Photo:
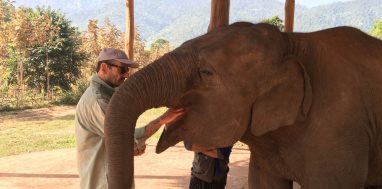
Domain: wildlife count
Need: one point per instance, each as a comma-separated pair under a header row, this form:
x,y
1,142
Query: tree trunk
x,y
47,75
21,80
219,14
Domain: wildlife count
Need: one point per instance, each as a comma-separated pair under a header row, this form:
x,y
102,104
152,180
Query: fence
x,y
19,98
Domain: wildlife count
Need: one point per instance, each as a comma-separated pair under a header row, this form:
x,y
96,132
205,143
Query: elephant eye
x,y
206,72
207,77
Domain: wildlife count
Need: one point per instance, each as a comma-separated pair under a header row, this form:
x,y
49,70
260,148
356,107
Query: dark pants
x,y
196,183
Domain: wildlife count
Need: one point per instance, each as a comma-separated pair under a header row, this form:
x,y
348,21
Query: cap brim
x,y
129,63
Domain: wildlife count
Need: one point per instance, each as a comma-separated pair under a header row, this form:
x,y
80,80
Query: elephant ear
x,y
287,101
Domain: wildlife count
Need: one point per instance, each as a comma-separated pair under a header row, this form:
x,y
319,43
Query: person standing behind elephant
x,y
209,167
112,69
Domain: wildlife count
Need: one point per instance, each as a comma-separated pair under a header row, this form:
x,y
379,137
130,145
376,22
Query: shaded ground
x,y
57,169
41,113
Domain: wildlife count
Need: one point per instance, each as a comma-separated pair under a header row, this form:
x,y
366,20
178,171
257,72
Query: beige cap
x,y
115,54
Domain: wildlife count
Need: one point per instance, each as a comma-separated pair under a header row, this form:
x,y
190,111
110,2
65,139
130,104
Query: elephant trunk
x,y
158,84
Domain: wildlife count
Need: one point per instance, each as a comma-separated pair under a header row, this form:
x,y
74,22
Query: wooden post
x,y
289,15
219,14
129,34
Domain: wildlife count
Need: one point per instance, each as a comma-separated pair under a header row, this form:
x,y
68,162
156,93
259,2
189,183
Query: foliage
x,y
108,35
56,58
96,38
377,29
40,55
159,48
6,9
20,40
276,21
42,50
141,56
72,96
9,67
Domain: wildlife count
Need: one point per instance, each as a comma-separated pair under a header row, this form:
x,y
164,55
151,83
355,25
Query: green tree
x,y
377,29
276,21
44,37
159,48
55,59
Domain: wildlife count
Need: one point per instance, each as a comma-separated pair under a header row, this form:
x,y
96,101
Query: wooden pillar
x,y
130,29
219,14
289,15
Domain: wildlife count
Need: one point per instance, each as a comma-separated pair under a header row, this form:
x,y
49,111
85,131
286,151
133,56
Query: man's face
x,y
117,73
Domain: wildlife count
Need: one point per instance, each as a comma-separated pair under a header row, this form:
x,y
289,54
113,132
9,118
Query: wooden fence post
x,y
219,14
289,15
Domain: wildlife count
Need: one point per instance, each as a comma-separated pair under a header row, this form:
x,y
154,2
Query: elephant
x,y
308,105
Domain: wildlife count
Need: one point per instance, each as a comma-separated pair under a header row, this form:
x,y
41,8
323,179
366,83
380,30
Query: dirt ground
x,y
57,169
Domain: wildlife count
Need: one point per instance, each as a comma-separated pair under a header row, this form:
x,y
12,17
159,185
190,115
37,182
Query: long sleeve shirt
x,y
89,127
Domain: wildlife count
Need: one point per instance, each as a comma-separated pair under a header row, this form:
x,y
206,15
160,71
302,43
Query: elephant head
x,y
218,78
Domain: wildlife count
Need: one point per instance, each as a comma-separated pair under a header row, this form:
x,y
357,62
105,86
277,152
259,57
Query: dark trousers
x,y
196,183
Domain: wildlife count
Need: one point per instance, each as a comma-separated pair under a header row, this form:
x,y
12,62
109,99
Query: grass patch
x,y
17,136
40,134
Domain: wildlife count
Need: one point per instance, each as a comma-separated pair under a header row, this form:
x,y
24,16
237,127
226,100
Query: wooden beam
x,y
219,14
130,29
289,15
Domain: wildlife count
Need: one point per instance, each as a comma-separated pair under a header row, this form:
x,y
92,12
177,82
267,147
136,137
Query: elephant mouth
x,y
170,136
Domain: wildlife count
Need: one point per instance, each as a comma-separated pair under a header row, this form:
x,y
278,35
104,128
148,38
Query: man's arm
x,y
168,117
209,152
142,134
206,151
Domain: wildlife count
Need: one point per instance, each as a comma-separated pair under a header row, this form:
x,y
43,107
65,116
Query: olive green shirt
x,y
89,128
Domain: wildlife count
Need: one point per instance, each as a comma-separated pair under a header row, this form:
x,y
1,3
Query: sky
x,y
312,3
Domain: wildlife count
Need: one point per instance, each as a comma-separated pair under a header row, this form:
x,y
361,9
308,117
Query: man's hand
x,y
140,151
212,153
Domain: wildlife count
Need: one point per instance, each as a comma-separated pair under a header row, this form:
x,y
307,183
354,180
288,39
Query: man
x,y
209,167
112,69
